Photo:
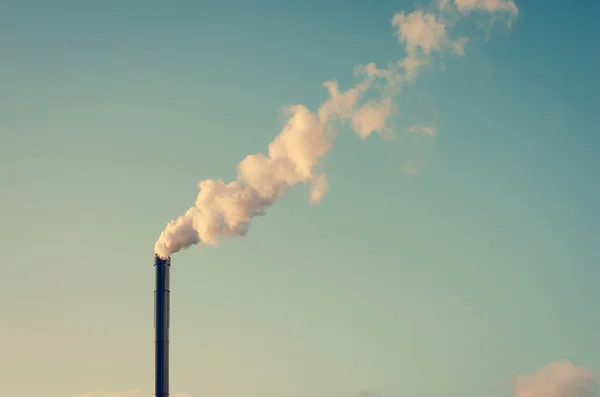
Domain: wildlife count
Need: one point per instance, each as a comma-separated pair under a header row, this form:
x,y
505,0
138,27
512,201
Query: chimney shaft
x,y
161,327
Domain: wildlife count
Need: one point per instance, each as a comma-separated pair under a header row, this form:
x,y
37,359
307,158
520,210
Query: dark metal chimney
x,y
161,327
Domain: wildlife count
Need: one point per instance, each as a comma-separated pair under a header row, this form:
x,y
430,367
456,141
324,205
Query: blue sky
x,y
479,267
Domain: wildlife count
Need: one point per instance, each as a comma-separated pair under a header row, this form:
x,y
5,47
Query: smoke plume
x,y
293,157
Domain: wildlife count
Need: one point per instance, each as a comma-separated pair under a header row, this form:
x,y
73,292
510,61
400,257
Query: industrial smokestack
x,y
161,327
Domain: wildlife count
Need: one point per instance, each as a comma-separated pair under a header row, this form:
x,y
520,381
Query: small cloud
x,y
419,30
489,6
423,34
371,71
340,104
458,46
495,9
412,64
556,379
372,117
422,130
318,190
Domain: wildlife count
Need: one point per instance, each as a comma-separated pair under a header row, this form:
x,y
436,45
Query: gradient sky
x,y
481,266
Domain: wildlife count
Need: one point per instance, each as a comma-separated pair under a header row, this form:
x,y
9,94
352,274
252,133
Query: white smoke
x,y
225,209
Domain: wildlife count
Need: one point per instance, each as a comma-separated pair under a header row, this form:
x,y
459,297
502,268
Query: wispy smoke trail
x,y
225,209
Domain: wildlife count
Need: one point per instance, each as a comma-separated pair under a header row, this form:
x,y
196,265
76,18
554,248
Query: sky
x,y
453,253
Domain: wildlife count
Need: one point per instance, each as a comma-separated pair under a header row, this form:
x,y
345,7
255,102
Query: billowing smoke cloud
x,y
556,379
293,157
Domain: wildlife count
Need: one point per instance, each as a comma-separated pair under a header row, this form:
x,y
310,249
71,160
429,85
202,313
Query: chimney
x,y
161,327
